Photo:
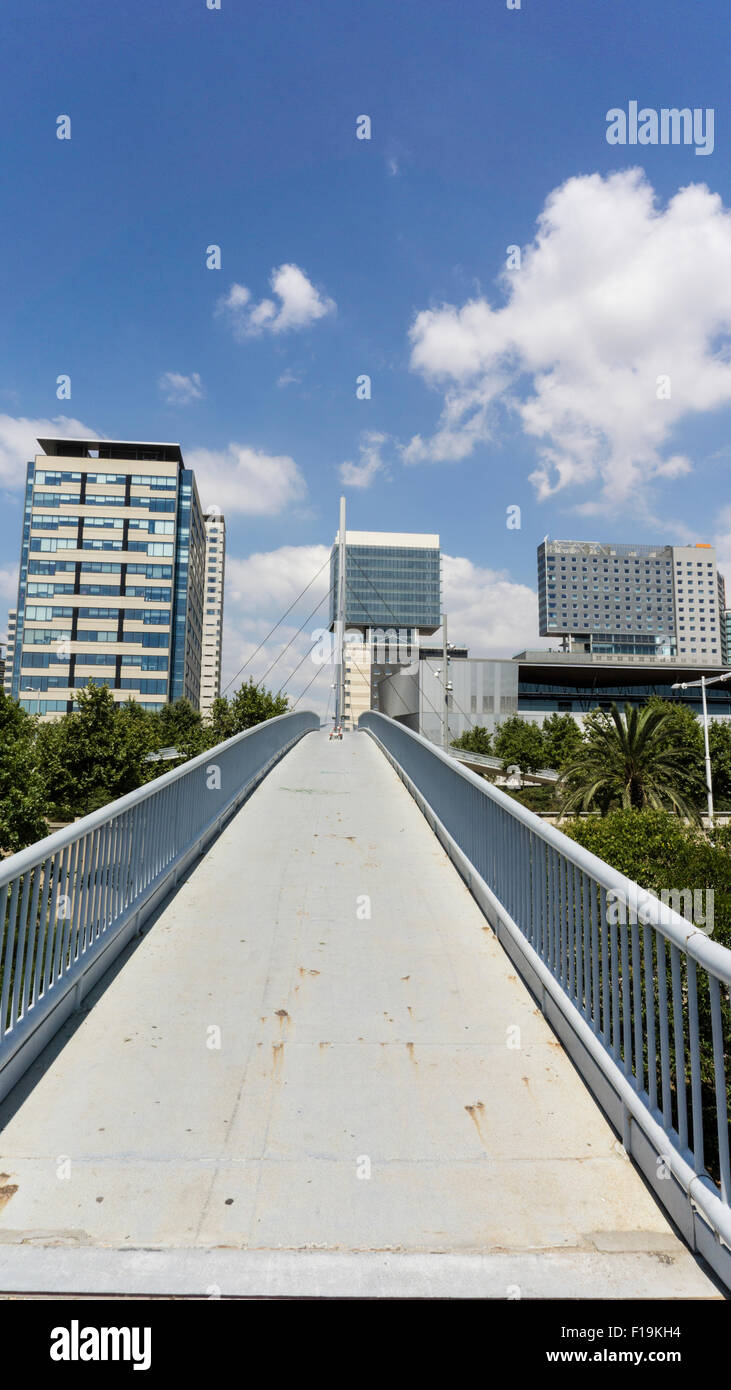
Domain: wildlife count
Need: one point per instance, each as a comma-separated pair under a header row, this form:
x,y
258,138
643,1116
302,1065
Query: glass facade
x,y
23,580
389,586
567,697
187,626
151,521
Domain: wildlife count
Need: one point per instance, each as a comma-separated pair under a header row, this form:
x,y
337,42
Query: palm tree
x,y
628,759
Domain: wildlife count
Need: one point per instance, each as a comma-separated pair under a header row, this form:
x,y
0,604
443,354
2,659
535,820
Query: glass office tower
x,y
392,594
392,579
111,575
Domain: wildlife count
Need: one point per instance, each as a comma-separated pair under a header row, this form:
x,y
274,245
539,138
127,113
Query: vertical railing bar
x,y
695,1065
553,900
679,1047
565,915
606,968
663,1018
614,988
43,927
49,966
3,942
84,891
106,880
596,1006
637,1005
20,948
719,1077
90,904
34,943
650,1009
570,927
110,909
61,927
535,879
117,861
78,886
626,1004
66,961
9,953
4,938
100,880
587,943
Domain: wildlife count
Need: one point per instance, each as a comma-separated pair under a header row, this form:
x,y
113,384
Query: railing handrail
x,y
71,902
499,764
58,839
710,954
623,992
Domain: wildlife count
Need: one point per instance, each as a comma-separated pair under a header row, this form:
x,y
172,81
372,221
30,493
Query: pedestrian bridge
x,y
324,1018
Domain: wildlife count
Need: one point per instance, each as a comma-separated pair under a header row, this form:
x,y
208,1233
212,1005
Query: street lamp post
x,y
703,682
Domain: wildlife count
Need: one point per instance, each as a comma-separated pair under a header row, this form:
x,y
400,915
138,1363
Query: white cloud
x,y
19,442
180,390
371,464
259,589
488,610
722,541
300,304
246,481
613,293
268,581
288,378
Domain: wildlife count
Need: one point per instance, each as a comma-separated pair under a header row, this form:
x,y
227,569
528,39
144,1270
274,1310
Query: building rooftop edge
x,y
417,539
94,442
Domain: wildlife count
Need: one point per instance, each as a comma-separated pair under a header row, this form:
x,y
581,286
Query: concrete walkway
x,y
300,1082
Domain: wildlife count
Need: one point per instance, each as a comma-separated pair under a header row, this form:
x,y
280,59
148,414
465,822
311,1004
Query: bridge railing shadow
x,y
640,997
70,903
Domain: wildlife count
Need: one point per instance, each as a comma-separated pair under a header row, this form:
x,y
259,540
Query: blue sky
x,y
490,388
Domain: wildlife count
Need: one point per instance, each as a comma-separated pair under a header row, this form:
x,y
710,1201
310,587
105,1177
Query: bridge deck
x,y
348,1044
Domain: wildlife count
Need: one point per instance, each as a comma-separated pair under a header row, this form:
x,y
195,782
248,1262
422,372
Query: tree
x,y
137,735
683,732
22,788
474,740
628,760
220,725
180,726
719,742
519,742
562,739
81,754
252,704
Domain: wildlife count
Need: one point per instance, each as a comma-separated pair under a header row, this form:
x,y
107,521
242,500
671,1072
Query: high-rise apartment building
x,y
215,568
392,593
9,649
660,601
111,576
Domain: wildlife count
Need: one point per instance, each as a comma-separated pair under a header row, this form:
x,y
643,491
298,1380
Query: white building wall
x,y
215,527
698,600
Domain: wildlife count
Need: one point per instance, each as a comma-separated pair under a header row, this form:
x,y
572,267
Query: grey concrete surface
x,y
363,1104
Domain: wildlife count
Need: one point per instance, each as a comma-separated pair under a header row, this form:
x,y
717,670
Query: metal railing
x,y
70,903
640,997
486,760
